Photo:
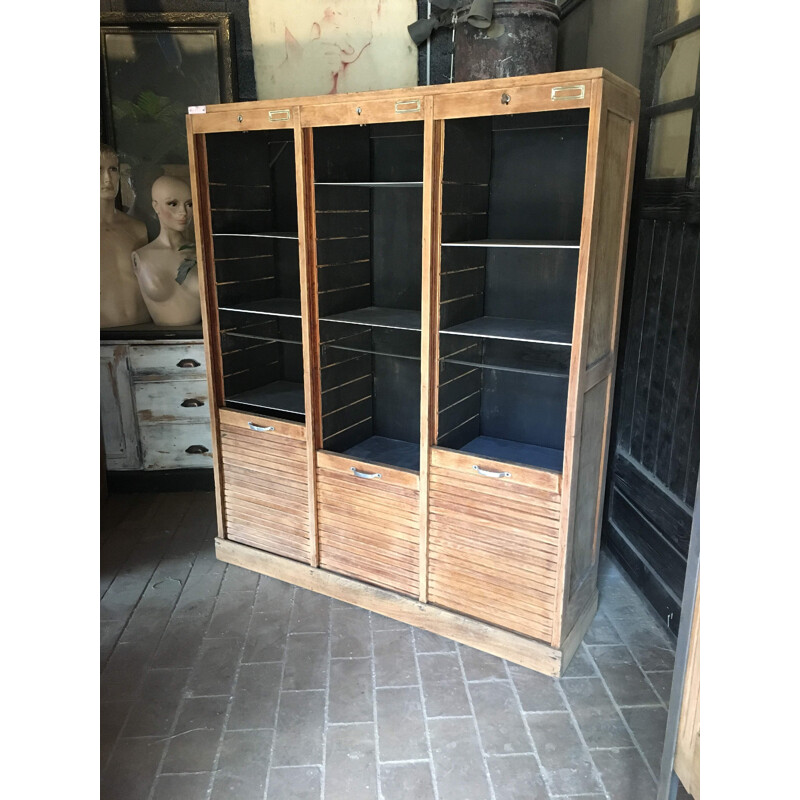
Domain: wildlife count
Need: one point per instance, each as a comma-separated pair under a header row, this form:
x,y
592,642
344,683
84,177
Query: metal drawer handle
x,y
192,402
195,449
254,427
568,92
404,106
280,116
184,363
367,475
489,473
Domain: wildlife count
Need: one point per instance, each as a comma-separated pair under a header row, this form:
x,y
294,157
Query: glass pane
x,y
678,61
669,145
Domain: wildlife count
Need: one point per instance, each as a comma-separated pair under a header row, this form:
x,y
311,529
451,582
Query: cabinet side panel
x,y
610,238
589,491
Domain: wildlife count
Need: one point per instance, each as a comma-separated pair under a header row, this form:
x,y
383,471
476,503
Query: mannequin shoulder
x,y
134,227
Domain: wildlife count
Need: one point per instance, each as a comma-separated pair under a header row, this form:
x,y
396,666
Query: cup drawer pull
x,y
192,402
196,449
489,473
186,363
259,428
368,475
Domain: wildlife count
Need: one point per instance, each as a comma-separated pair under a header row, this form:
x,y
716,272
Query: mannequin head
x,y
109,173
172,201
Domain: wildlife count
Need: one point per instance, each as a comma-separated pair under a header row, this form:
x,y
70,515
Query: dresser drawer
x,y
176,445
172,401
167,361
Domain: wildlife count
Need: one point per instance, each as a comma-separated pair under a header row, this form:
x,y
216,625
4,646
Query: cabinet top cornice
x,y
567,77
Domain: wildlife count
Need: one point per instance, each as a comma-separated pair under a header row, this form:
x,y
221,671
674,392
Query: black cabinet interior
x,y
512,202
368,201
253,198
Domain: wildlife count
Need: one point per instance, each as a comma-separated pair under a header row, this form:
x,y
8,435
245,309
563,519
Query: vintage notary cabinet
x,y
411,307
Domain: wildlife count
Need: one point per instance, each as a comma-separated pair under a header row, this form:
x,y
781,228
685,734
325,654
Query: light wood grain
x,y
225,110
687,747
431,233
304,161
520,476
521,98
362,110
517,553
368,529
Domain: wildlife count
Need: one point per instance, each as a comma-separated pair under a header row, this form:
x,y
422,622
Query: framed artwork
x,y
332,46
153,67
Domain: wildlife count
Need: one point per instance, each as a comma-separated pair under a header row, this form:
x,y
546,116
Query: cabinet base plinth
x,y
527,652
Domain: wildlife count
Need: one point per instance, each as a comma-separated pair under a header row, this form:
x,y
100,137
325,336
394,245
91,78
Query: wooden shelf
x,y
398,318
542,245
382,450
519,330
564,374
515,452
371,351
276,307
278,396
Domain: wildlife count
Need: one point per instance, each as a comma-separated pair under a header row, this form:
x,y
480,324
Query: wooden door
x,y
655,448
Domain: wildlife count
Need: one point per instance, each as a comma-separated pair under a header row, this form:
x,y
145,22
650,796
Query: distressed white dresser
x,y
154,399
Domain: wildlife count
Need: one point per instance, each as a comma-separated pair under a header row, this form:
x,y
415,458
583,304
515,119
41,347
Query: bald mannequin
x,y
121,301
156,264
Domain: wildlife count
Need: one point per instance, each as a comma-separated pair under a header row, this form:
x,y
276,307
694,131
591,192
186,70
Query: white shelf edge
x,y
505,338
265,313
372,184
290,236
520,244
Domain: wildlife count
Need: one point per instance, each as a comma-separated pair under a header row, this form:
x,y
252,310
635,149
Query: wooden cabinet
x,y
154,403
411,301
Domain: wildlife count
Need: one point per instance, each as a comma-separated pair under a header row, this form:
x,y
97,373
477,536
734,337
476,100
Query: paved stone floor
x,y
220,683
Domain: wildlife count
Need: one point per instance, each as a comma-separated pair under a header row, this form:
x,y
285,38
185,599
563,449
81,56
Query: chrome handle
x,y
280,116
196,449
254,427
568,92
489,473
367,475
192,402
404,106
187,362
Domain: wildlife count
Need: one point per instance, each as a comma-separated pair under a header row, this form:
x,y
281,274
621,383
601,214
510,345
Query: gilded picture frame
x,y
153,66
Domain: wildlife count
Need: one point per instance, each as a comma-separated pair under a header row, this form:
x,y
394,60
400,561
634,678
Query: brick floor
x,y
219,683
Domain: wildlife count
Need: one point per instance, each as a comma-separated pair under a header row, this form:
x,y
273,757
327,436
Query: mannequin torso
x,y
121,301
156,264
168,302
